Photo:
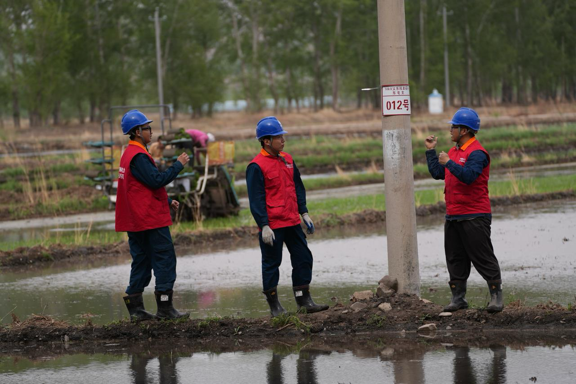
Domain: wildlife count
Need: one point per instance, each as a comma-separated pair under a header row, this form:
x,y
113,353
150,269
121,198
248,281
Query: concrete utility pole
x,y
446,72
159,67
398,166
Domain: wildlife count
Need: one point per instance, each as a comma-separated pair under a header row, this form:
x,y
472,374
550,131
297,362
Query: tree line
x,y
73,59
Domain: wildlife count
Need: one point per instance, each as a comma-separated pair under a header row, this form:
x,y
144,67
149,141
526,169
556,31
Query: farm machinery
x,y
204,189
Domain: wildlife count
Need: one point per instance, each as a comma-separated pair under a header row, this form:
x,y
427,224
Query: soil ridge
x,y
407,314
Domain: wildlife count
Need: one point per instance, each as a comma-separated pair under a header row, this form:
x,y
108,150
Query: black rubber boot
x,y
135,305
305,302
166,310
458,288
495,304
272,299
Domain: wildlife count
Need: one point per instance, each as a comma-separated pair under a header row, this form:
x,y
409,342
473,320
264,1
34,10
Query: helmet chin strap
x,y
460,135
140,130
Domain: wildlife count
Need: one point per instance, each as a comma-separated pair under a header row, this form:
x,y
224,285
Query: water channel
x,y
534,243
380,361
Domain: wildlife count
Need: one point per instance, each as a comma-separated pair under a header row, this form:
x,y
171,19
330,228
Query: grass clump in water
x,y
287,319
208,321
376,320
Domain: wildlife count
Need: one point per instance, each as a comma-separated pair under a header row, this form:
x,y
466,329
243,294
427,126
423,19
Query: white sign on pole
x,y
396,100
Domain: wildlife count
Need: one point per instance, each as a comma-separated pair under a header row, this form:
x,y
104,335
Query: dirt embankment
x,y
241,125
223,238
403,315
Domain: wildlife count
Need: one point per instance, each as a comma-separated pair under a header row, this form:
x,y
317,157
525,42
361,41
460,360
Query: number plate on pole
x,y
396,100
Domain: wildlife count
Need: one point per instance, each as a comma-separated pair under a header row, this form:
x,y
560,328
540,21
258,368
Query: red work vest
x,y
463,199
281,202
138,207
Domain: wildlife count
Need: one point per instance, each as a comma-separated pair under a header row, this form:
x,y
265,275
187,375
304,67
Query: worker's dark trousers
x,y
300,256
468,242
152,250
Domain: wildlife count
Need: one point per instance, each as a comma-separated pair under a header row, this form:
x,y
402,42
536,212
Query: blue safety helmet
x,y
467,117
269,126
133,119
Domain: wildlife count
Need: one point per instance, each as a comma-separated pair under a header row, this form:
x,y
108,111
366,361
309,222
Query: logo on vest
x,y
289,165
462,160
121,172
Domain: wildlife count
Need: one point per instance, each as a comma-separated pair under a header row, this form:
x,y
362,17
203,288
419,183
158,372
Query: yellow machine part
x,y
220,152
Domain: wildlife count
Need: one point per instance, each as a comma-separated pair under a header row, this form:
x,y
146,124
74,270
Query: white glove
x,y
268,235
308,222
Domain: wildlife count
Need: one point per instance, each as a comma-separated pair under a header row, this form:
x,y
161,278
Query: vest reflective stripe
x,y
281,202
462,199
138,207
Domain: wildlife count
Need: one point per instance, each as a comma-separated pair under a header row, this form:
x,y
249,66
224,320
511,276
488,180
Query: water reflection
x,y
466,373
408,367
305,366
309,362
274,369
167,373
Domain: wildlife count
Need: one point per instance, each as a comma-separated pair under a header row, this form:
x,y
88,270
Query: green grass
x,y
330,206
72,238
332,182
512,142
286,319
57,207
208,321
376,320
340,206
12,186
13,172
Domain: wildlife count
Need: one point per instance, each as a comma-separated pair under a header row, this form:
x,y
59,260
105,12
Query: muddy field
x,y
49,184
407,314
28,257
237,126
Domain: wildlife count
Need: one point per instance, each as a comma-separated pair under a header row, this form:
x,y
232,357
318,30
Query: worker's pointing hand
x,y
308,222
184,158
268,235
430,142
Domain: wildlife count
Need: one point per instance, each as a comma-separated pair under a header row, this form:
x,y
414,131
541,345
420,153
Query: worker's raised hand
x,y
430,142
308,222
174,205
184,158
268,235
443,158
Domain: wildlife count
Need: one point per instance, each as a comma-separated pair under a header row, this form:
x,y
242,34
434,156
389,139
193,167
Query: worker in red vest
x,y
277,199
143,210
465,170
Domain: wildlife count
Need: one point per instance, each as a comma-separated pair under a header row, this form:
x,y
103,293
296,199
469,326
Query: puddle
x,y
534,243
312,362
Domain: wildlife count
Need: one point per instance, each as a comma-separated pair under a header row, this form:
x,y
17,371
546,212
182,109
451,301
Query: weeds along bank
x,y
404,315
54,185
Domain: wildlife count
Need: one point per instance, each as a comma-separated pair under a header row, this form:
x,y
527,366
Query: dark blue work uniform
x,y
292,236
152,249
466,237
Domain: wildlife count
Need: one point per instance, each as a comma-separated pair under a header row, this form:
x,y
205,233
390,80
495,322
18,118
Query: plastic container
x,y
435,102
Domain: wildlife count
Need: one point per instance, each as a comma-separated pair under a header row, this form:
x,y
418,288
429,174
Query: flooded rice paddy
x,y
534,243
